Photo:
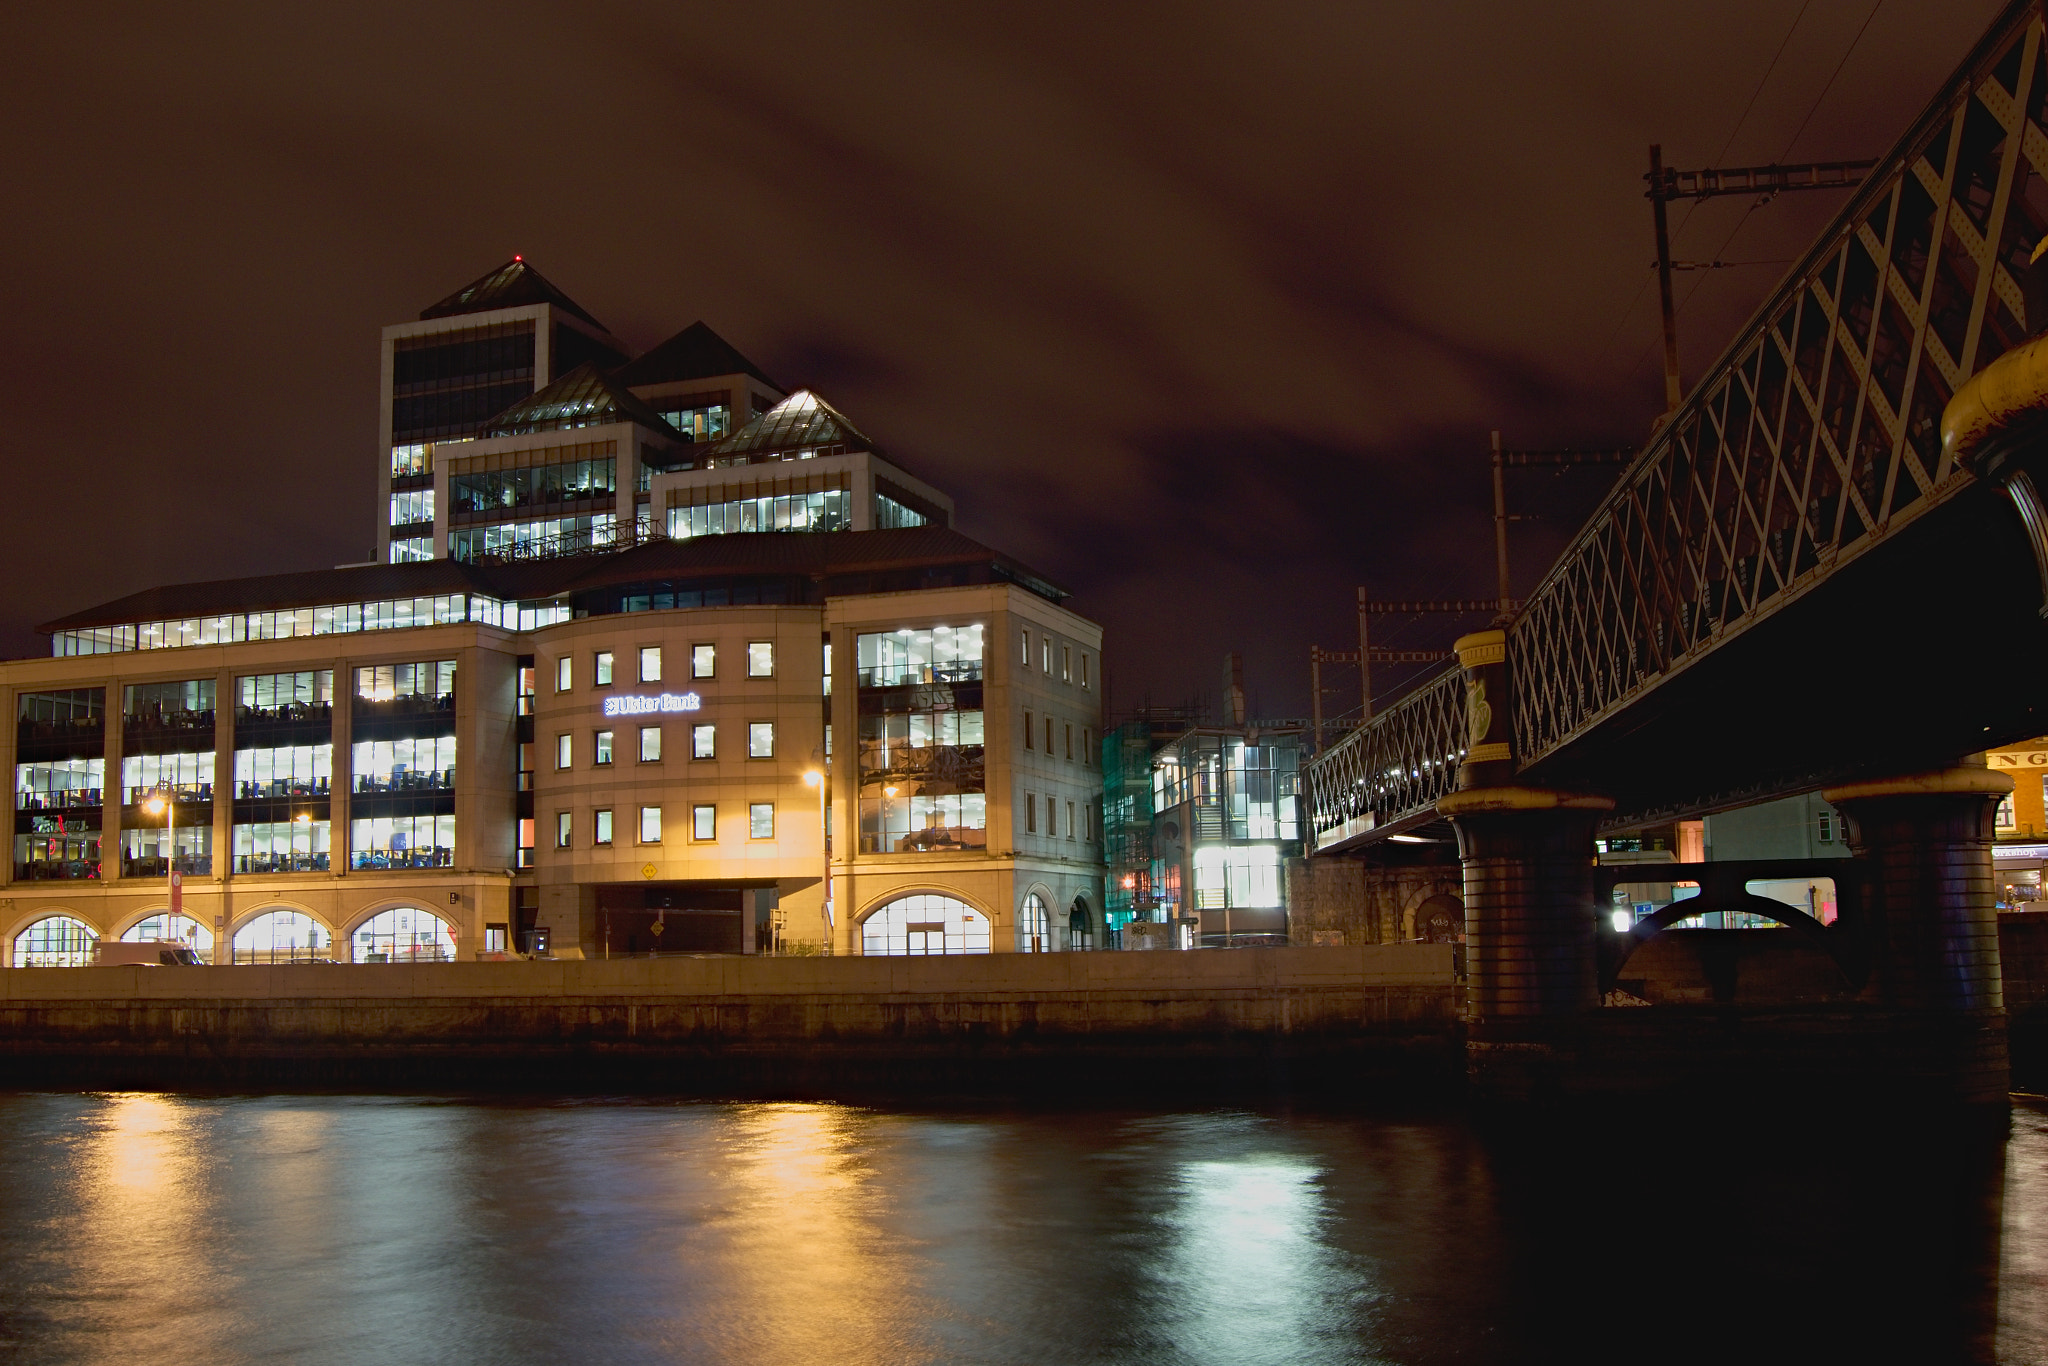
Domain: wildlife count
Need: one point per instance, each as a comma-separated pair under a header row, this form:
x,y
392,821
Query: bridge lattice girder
x,y
1812,442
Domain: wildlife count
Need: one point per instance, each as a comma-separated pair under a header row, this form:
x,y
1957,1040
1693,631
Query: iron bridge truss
x,y
1812,440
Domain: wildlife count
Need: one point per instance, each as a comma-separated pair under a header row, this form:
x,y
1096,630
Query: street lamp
x,y
816,778
163,801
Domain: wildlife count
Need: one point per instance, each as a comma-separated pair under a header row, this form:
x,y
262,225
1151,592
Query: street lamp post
x,y
816,778
165,800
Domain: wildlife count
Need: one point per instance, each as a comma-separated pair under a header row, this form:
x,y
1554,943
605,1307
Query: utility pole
x,y
1500,518
1672,393
1767,182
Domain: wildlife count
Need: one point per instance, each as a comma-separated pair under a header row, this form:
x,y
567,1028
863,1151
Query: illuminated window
x,y
565,753
1084,668
1045,655
650,825
603,753
761,659
56,941
281,937
703,822
601,819
565,673
1034,926
563,829
761,821
703,740
402,841
650,664
761,740
650,744
925,924
604,668
1066,663
403,934
703,661
167,928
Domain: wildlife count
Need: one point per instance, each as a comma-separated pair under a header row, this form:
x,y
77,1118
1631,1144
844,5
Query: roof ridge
x,y
515,284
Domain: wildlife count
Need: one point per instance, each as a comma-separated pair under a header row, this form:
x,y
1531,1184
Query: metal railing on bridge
x,y
1395,767
1814,438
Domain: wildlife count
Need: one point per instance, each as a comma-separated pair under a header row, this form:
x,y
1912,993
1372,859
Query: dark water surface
x,y
171,1230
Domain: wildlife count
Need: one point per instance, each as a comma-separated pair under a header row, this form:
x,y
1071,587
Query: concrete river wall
x,y
1252,1018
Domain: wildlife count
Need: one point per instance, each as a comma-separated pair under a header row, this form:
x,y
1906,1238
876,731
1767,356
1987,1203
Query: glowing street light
x,y
163,802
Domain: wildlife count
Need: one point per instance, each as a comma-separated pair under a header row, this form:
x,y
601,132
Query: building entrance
x,y
638,919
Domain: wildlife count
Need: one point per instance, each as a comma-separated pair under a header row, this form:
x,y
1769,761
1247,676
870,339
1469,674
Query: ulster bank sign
x,y
648,704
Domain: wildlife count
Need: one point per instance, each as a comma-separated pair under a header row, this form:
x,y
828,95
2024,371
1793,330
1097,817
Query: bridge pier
x,y
1930,926
1531,934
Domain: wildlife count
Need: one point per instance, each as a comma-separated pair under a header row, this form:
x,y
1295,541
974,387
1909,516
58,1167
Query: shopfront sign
x,y
2018,758
646,704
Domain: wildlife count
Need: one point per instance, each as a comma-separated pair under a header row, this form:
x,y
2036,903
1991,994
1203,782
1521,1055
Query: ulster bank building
x,y
654,657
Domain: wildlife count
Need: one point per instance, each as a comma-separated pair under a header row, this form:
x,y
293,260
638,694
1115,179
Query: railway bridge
x,y
1827,571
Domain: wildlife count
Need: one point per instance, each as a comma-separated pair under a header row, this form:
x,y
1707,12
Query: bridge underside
x,y
1857,678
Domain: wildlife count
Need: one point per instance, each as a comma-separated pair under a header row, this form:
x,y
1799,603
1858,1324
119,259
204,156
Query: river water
x,y
167,1230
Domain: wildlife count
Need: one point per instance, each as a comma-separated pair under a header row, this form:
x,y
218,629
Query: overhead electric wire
x,y
1740,119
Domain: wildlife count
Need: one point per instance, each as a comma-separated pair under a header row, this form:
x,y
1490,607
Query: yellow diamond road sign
x,y
649,871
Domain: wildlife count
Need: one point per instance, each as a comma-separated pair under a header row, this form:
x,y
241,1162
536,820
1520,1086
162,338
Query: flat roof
x,y
812,554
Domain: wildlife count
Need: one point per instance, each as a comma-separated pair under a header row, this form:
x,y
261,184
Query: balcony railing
x,y
192,865
280,863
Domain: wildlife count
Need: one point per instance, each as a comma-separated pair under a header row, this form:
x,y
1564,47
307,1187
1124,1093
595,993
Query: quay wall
x,y
1244,1019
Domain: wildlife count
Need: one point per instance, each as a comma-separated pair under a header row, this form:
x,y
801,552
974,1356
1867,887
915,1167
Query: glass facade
x,y
147,852
402,811
451,383
536,539
922,775
827,511
59,780
291,846
56,941
167,928
576,479
699,422
284,771
281,937
412,549
890,514
412,505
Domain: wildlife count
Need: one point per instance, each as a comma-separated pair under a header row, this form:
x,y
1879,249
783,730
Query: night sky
x,y
1203,310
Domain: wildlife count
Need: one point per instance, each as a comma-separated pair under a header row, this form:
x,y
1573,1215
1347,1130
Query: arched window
x,y
404,934
925,924
281,937
1080,926
168,928
1034,926
56,941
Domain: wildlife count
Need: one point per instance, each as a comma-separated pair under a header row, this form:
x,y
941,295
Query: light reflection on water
x,y
176,1230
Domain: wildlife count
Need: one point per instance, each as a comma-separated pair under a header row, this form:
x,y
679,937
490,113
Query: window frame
x,y
601,828
565,673
601,743
1070,820
701,815
1031,813
644,811
647,651
754,810
601,669
565,829
565,752
767,645
1066,663
645,757
753,729
704,733
710,669
1030,732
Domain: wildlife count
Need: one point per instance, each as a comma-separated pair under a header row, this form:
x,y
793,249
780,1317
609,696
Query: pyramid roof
x,y
696,352
585,397
803,421
516,284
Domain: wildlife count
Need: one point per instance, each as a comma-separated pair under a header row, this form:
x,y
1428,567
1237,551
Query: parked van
x,y
148,953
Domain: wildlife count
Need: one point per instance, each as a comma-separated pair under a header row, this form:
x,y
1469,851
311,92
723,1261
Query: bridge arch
x,y
1834,943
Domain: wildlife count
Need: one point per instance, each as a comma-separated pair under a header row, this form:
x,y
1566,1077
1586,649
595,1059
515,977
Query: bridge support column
x,y
1931,923
1531,930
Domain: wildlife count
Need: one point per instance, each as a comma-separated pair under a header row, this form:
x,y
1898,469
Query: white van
x,y
148,953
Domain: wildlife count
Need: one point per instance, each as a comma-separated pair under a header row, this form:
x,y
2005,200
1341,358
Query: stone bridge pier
x,y
1927,1020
